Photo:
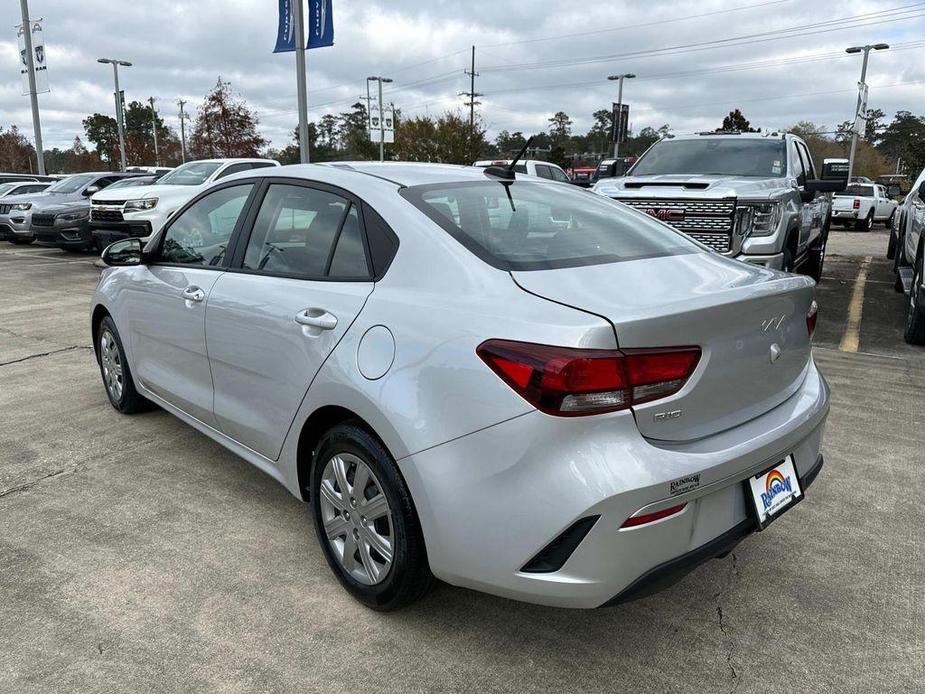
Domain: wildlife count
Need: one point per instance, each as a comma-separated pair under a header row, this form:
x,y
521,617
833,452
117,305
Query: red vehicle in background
x,y
581,175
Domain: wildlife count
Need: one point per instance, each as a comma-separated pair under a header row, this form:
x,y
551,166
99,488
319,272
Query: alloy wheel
x,y
111,361
357,519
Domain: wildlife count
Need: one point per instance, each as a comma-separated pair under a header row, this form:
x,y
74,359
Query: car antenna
x,y
507,173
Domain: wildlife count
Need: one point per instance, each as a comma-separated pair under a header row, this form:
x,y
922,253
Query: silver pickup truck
x,y
752,196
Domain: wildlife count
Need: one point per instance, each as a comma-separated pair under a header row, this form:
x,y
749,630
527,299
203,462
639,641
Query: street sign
x,y
385,130
860,118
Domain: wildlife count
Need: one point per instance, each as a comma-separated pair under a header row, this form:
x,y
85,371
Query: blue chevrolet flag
x,y
320,24
285,34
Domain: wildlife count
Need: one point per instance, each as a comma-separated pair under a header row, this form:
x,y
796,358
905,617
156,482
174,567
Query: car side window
x,y
807,161
297,233
261,164
798,167
557,175
543,171
200,234
233,169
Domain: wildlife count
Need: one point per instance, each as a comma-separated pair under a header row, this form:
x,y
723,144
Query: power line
x,y
795,31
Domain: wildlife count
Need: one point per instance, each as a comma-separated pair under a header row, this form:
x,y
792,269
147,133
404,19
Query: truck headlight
x,y
145,204
75,216
22,206
758,218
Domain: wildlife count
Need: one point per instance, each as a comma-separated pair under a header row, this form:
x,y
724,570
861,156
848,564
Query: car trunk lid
x,y
749,322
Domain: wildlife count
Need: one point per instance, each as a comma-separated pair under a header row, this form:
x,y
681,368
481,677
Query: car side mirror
x,y
90,190
922,191
123,253
824,186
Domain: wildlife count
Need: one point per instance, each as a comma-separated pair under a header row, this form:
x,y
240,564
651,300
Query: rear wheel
x,y
865,224
915,319
365,520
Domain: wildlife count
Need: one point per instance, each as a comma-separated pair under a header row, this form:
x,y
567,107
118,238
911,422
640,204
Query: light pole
x,y
157,156
33,95
302,89
380,80
181,103
115,75
857,110
618,125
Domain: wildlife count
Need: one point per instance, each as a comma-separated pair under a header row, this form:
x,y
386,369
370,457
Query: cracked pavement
x,y
138,556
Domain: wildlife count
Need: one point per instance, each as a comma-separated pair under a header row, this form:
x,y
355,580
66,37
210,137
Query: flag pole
x,y
300,76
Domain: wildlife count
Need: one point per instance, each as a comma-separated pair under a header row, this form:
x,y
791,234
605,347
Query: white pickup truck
x,y
862,204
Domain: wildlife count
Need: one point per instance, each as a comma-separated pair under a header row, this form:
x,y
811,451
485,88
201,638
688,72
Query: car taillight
x,y
569,382
811,316
634,521
856,204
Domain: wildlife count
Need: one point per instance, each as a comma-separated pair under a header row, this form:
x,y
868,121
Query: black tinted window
x,y
201,233
859,191
295,232
728,155
349,255
543,226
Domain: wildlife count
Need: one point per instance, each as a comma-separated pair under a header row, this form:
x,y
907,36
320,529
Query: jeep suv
x,y
750,196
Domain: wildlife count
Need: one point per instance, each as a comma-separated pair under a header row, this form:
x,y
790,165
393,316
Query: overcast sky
x,y
535,57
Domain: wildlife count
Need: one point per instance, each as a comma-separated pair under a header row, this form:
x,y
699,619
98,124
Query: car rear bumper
x,y
845,214
491,501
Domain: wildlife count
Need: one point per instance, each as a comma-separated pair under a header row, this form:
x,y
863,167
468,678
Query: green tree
x,y
103,132
735,121
16,152
446,139
560,126
509,144
902,138
225,126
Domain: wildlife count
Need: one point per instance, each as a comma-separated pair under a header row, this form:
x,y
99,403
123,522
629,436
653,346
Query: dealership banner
x,y
621,119
38,59
319,20
381,124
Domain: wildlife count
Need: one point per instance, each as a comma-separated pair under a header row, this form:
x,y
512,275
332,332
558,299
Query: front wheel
x,y
365,520
915,319
114,368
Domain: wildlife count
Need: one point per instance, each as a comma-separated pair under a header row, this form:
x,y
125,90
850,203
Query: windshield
x,y
543,226
856,191
720,156
193,174
6,188
132,182
71,184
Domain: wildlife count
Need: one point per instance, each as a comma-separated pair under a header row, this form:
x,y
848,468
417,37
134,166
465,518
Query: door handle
x,y
316,318
193,293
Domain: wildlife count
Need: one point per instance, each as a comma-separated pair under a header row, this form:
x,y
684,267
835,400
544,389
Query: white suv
x,y
142,211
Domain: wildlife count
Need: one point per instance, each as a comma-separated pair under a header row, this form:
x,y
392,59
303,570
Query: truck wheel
x,y
865,224
891,246
816,257
889,222
915,319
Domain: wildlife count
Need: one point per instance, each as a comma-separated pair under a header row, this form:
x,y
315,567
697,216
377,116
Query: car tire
x,y
915,318
355,544
115,371
815,257
865,224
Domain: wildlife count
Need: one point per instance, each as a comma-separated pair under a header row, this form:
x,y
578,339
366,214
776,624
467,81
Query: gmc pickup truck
x,y
751,196
862,204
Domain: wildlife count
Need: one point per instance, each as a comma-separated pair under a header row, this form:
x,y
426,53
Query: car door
x,y
883,203
295,287
165,307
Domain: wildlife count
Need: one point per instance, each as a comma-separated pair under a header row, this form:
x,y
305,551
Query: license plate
x,y
774,491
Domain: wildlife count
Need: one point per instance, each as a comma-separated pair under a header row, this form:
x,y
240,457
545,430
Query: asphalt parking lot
x,y
137,555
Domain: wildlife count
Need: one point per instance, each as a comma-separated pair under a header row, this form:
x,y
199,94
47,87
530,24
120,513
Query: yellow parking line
x,y
852,336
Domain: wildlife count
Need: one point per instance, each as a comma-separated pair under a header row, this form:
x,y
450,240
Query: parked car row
x,y
91,210
907,250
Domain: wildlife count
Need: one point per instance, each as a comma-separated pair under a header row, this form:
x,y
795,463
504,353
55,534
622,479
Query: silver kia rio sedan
x,y
496,380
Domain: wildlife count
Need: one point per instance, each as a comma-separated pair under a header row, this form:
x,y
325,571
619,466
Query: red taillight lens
x,y
633,521
568,381
856,204
811,316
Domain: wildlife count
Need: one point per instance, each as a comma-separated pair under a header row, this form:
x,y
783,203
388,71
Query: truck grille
x,y
711,222
106,215
108,203
43,220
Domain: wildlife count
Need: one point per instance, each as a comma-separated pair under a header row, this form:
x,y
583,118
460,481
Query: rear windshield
x,y
858,192
727,155
542,225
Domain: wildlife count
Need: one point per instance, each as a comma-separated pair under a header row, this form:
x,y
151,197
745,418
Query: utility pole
x,y
181,103
115,75
157,156
618,119
381,108
471,103
861,85
33,95
297,10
